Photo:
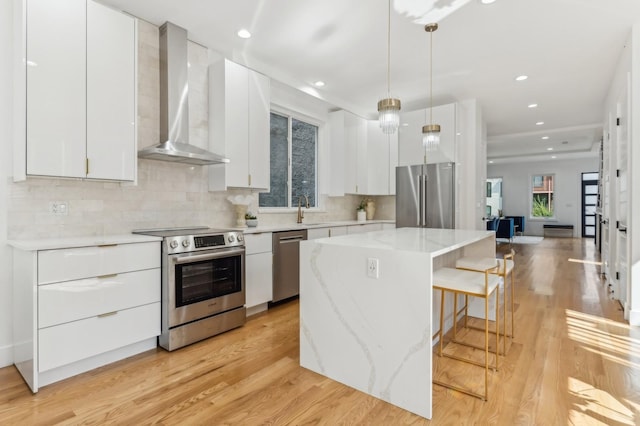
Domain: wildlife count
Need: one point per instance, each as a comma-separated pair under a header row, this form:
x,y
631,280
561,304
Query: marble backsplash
x,y
166,194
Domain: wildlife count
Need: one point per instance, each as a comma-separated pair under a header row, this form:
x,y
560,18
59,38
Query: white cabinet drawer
x,y
74,341
73,300
85,262
257,243
315,233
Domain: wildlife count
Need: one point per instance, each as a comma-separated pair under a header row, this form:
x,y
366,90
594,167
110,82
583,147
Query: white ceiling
x,y
568,48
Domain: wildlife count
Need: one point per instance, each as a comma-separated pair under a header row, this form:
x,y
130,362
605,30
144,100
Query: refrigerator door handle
x,y
423,201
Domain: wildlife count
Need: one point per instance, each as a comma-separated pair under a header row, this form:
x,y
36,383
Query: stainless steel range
x,y
203,275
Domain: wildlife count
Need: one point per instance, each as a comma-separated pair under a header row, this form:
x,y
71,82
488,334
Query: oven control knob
x,y
185,243
240,237
173,244
231,238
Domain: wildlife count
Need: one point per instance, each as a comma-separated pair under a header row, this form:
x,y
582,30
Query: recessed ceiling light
x,y
319,83
544,138
553,157
490,161
244,33
549,149
522,77
539,123
487,1
533,105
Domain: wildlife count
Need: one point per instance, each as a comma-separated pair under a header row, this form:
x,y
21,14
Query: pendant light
x,y
431,131
389,108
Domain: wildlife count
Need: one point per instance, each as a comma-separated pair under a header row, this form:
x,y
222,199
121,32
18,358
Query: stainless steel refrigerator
x,y
425,196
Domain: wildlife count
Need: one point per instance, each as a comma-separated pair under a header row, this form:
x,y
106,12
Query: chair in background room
x,y
518,223
492,225
505,229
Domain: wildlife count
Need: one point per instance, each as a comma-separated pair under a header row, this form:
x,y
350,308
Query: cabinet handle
x,y
87,167
107,245
108,314
103,277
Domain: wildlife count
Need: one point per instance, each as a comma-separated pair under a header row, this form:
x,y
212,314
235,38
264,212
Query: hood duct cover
x,y
174,104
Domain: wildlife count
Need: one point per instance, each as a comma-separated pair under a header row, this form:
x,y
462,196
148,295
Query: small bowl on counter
x,y
252,223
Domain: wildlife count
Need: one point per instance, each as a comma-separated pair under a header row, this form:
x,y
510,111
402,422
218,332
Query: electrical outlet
x,y
59,208
373,268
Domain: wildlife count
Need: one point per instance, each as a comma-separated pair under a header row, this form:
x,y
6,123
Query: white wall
x,y
6,130
634,182
516,186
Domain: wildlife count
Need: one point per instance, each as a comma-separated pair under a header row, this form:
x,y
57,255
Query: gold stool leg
x,y
441,319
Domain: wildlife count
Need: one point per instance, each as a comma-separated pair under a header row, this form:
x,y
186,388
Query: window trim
x,y
530,202
292,114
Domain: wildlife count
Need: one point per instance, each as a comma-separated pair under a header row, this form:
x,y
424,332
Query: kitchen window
x,y
542,196
293,162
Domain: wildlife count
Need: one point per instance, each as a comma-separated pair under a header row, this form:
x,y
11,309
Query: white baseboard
x,y
6,355
634,318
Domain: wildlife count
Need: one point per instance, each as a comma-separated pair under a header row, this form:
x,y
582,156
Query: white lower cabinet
x,y
79,308
258,271
334,231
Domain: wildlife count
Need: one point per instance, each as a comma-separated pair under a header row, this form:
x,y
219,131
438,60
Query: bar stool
x,y
468,283
506,266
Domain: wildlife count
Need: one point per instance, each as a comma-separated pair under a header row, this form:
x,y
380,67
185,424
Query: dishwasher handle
x,y
284,240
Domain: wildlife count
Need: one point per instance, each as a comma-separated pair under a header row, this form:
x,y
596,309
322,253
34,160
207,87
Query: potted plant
x,y
361,212
251,219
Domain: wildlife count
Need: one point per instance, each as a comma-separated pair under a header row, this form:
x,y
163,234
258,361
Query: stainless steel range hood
x,y
174,105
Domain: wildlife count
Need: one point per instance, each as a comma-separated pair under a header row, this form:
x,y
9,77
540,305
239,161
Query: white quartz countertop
x,y
292,226
72,242
423,240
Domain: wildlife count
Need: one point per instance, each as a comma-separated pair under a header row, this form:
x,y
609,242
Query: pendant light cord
x,y
431,77
389,49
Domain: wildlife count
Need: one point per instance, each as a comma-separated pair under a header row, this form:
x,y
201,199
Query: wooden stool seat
x,y
469,283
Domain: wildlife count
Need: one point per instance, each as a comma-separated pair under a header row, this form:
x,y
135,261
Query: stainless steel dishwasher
x,y
286,263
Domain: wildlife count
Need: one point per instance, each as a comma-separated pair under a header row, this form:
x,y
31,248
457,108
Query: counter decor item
x,y
251,219
370,209
241,204
361,214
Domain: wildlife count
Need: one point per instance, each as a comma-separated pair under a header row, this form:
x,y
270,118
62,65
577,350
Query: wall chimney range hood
x,y
174,105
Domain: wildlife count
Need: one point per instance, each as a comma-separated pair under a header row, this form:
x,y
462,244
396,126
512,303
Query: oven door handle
x,y
178,259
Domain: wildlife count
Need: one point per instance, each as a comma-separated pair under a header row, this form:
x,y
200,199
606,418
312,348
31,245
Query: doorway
x,y
494,197
589,204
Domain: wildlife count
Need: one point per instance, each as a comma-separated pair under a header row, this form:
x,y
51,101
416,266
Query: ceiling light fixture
x,y
539,123
533,105
431,132
319,83
521,78
553,157
389,107
487,1
549,149
243,33
544,138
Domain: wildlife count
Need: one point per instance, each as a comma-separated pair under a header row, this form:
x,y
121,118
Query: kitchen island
x,y
367,310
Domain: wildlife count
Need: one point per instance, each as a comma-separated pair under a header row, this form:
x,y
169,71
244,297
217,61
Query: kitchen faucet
x,y
300,213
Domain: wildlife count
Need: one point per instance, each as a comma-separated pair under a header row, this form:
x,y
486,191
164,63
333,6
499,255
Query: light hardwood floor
x,y
574,361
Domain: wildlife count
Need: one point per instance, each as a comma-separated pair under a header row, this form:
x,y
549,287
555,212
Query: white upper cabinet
x,y
363,159
56,88
239,123
410,148
348,145
382,159
111,94
80,90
